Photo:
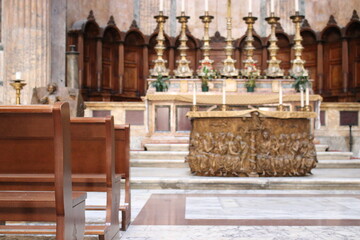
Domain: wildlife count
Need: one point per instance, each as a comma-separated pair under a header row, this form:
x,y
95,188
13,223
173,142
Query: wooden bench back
x,y
36,140
122,152
89,137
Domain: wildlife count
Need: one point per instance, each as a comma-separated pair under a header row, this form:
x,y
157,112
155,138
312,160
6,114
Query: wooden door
x,y
110,62
333,62
90,56
133,79
354,56
309,54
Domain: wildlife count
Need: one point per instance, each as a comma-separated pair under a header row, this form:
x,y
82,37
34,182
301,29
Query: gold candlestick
x,y
160,63
229,69
183,69
18,86
206,61
273,69
297,68
250,63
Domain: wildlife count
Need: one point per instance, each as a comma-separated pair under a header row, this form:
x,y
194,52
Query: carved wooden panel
x,y
110,61
90,56
354,55
134,83
310,55
332,62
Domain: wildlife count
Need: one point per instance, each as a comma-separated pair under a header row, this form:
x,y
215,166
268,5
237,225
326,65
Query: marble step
x,y
185,147
158,155
352,163
321,147
162,163
165,163
334,155
181,178
167,147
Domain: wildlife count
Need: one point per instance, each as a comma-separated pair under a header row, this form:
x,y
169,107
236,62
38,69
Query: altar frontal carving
x,y
251,146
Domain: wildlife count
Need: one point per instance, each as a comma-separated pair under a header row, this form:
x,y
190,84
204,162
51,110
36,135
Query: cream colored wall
x,y
316,11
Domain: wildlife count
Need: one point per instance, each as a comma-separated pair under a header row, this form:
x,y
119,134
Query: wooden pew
x,y
35,144
93,154
122,166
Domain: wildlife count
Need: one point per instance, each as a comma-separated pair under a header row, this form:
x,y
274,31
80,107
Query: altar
x,y
251,143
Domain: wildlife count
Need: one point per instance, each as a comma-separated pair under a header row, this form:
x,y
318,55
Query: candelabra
x,y
274,69
206,61
160,63
250,63
183,69
229,69
18,86
297,68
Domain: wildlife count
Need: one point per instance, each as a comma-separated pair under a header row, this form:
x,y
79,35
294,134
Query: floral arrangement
x,y
301,82
206,72
252,75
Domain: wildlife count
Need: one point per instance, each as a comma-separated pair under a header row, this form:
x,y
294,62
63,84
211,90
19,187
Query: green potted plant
x,y
250,84
207,73
301,81
161,83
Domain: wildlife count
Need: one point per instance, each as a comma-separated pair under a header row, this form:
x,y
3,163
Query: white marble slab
x,y
272,208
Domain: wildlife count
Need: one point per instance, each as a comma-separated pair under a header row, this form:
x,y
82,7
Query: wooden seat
x,y
36,140
93,154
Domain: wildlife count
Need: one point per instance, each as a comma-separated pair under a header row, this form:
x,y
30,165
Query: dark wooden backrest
x,y
35,139
89,137
122,152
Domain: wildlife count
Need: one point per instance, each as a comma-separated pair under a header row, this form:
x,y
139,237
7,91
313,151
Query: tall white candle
x,y
272,6
224,94
296,5
307,100
301,96
18,75
161,5
250,6
194,94
182,5
206,5
280,93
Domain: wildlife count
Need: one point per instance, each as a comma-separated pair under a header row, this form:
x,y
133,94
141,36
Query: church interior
x,y
179,119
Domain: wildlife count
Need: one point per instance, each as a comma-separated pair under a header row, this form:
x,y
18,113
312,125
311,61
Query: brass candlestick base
x,y
280,108
307,108
160,63
194,108
273,69
206,61
224,107
183,69
250,63
298,68
18,86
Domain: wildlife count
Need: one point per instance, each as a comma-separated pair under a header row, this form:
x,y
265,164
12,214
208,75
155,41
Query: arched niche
x,y
191,54
91,34
332,60
110,59
284,53
258,54
134,80
309,54
353,35
152,53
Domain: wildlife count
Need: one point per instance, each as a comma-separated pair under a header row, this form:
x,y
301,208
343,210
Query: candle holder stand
x,y
183,70
160,63
18,85
297,68
206,61
273,69
250,63
280,108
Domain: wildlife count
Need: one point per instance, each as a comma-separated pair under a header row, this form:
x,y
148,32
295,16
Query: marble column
x,y
27,45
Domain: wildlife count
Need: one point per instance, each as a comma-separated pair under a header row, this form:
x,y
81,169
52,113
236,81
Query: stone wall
x,y
317,12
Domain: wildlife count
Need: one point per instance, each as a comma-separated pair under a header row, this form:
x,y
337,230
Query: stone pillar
x,y
27,45
72,68
320,66
58,41
345,64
